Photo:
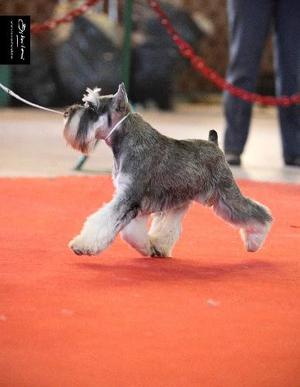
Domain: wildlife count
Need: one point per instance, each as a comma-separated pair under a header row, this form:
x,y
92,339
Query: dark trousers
x,y
250,21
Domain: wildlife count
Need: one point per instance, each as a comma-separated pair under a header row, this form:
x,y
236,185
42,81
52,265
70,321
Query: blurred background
x,y
104,46
88,50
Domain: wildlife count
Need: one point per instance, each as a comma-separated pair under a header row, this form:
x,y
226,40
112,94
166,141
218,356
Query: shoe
x,y
233,159
292,161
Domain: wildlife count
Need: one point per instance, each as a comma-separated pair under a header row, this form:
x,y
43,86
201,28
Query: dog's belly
x,y
155,204
165,199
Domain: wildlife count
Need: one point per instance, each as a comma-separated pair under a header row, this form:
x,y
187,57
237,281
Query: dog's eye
x,y
92,107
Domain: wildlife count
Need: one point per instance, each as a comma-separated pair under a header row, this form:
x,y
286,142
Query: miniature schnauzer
x,y
155,175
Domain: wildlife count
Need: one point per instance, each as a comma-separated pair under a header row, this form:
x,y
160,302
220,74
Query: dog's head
x,y
93,120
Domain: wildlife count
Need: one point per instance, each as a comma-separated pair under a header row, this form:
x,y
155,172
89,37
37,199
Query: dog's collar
x,y
116,126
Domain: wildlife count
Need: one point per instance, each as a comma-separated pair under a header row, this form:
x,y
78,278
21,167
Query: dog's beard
x,y
80,131
83,144
87,147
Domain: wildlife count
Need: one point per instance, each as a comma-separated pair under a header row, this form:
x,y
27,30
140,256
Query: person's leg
x,y
249,24
287,65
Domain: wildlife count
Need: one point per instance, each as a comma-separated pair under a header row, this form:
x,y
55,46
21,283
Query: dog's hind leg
x,y
136,234
165,231
253,219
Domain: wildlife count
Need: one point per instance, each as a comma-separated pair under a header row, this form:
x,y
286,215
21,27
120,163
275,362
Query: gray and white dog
x,y
155,175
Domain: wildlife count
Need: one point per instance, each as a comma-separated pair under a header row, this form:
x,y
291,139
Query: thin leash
x,y
11,93
116,126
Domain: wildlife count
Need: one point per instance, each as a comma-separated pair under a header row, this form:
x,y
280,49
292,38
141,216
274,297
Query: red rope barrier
x,y
51,24
198,63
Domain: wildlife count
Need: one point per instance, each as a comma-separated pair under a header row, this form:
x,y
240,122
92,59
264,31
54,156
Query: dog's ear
x,y
120,98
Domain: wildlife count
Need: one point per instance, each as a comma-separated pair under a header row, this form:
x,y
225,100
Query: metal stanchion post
x,y
126,54
5,78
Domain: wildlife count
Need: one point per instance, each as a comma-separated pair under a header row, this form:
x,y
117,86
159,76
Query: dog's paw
x,y
254,236
158,251
81,246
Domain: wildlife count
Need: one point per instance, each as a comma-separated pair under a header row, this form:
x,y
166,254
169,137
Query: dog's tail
x,y
213,136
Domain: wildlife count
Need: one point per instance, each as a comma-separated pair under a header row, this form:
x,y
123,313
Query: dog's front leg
x,y
165,231
136,234
101,228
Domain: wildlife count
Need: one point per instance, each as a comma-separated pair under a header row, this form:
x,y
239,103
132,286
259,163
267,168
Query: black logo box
x,y
14,40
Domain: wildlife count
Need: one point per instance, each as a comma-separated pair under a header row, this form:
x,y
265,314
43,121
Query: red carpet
x,y
213,315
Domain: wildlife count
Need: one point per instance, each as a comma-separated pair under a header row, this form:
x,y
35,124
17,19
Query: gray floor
x,y
31,142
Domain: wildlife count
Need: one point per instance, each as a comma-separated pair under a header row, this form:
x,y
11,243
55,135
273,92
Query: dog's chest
x,y
121,181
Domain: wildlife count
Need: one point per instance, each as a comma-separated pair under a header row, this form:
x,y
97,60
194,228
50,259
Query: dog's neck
x,y
116,126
